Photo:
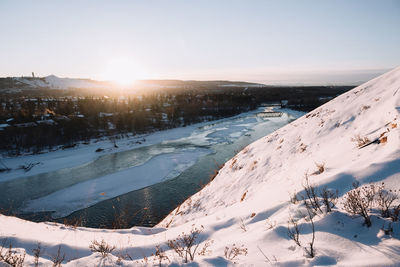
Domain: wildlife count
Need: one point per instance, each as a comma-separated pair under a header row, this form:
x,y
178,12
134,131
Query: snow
x,y
85,194
83,154
248,201
55,82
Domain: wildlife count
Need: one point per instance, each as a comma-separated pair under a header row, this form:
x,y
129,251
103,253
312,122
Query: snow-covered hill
x,y
54,82
245,210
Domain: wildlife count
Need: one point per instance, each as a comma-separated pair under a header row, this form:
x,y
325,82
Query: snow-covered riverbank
x,y
77,178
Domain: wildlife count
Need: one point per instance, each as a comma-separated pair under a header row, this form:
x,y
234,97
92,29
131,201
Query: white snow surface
x,y
247,204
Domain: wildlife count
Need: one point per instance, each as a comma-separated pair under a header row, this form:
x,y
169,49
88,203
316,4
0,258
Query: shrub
x,y
232,253
102,247
36,254
384,200
359,200
58,258
205,250
186,244
159,256
311,194
293,231
310,250
329,198
11,257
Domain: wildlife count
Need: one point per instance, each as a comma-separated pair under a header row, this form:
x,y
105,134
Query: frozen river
x,y
143,182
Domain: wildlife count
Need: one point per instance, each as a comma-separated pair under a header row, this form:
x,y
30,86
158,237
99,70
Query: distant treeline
x,y
35,120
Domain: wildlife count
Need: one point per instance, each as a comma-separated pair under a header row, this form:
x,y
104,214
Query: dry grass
x,y
383,140
320,168
361,141
243,196
101,247
302,147
232,253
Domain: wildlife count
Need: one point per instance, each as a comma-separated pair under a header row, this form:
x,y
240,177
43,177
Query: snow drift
x,y
247,206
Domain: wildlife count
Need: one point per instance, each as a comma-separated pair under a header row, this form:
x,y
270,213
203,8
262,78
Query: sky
x,y
271,41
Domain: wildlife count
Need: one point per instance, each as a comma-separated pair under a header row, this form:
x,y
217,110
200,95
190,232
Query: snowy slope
x,y
55,82
247,204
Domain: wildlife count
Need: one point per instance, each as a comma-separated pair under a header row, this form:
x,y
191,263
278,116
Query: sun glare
x,y
123,72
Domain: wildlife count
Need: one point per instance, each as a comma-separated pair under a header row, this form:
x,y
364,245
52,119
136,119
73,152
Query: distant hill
x,y
56,83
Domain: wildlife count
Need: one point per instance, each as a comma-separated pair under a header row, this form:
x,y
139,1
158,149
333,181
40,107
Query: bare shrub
x,y
329,198
361,141
232,253
58,258
293,231
205,250
384,200
11,256
186,244
242,225
359,200
101,247
270,224
159,255
311,250
311,194
123,255
36,254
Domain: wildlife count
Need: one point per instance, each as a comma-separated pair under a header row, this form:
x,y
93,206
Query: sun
x,y
123,72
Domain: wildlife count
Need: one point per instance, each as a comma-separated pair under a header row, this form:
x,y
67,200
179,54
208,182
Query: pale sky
x,y
295,41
